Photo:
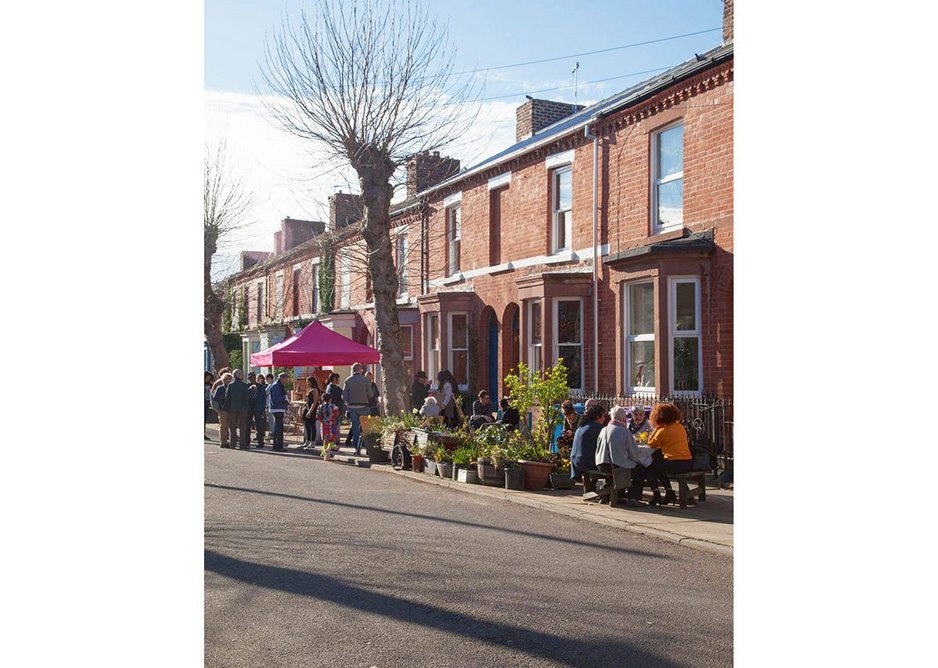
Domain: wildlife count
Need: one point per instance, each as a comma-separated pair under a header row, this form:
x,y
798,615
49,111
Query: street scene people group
x,y
624,439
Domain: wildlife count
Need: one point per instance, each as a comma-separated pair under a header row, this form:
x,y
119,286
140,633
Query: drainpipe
x,y
595,138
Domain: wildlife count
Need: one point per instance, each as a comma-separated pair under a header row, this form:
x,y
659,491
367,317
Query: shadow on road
x,y
434,518
567,650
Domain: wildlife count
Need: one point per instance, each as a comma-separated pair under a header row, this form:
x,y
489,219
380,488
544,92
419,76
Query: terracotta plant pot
x,y
416,462
536,474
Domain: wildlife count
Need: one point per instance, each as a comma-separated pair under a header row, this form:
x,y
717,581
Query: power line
x,y
588,53
582,83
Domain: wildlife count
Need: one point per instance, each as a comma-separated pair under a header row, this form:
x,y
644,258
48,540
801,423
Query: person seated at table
x,y
510,416
571,420
482,410
616,449
670,437
430,407
583,452
639,423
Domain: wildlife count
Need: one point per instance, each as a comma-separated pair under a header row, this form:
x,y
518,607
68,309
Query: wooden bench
x,y
617,480
685,494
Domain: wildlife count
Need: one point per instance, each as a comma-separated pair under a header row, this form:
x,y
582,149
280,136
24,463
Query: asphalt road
x,y
309,563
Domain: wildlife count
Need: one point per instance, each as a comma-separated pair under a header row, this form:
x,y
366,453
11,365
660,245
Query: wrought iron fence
x,y
709,419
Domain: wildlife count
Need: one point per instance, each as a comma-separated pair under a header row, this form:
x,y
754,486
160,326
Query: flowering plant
x,y
641,438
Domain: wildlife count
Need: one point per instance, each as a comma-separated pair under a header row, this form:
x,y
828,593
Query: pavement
x,y
706,526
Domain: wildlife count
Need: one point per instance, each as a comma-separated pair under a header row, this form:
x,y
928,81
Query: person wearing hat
x,y
419,390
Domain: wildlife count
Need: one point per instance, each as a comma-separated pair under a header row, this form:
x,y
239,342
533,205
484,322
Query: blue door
x,y
493,359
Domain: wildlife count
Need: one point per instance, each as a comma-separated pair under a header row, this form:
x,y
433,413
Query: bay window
x,y
534,336
685,334
459,347
568,337
400,246
640,337
433,346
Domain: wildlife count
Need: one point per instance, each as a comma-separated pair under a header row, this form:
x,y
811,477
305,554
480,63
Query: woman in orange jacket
x,y
670,438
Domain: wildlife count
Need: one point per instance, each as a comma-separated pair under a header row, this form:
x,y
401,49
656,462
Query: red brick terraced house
x,y
603,236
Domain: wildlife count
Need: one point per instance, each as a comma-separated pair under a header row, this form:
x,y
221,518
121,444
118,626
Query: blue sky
x,y
292,179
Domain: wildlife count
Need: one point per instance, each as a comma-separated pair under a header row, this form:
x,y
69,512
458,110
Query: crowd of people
x,y
260,406
596,439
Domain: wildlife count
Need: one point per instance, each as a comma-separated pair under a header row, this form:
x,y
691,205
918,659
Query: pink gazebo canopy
x,y
316,345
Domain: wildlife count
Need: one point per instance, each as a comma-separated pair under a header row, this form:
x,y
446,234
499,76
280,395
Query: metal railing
x,y
708,419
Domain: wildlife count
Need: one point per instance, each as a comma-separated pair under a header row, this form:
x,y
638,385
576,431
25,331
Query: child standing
x,y
328,415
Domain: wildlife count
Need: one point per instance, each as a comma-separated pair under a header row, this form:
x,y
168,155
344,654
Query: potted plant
x,y
492,448
371,440
416,458
545,389
444,463
461,457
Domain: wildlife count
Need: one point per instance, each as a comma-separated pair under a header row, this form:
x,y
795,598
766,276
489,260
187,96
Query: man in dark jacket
x,y
419,390
278,406
238,408
259,409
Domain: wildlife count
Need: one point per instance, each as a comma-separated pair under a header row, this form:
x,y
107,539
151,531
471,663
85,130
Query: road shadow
x,y
569,651
434,518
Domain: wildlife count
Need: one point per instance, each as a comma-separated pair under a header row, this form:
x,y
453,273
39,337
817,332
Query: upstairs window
x,y
453,236
296,292
345,296
667,193
315,297
401,258
278,296
561,209
260,303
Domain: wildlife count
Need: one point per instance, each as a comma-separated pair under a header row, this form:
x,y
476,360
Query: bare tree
x,y
372,81
227,203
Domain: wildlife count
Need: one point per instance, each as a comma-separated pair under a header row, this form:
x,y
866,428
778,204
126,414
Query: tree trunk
x,y
214,308
376,198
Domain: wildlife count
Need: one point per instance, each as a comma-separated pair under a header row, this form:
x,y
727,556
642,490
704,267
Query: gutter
x,y
595,138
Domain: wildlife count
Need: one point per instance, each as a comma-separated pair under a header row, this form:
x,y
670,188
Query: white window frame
x,y
409,334
401,254
433,354
235,309
453,238
656,227
451,348
314,298
556,329
673,282
555,211
636,338
345,294
535,350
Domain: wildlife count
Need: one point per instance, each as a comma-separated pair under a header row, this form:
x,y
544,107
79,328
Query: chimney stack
x,y
425,170
727,21
344,209
535,115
